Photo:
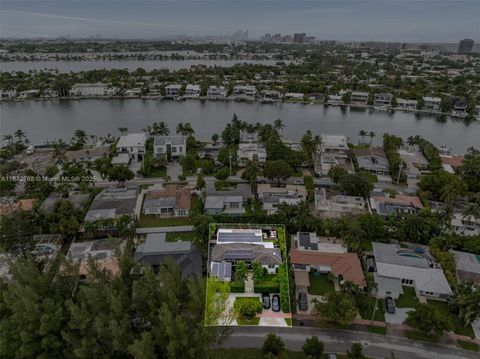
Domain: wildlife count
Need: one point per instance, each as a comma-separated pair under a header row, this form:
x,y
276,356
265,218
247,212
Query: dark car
x,y
390,305
276,303
302,301
266,300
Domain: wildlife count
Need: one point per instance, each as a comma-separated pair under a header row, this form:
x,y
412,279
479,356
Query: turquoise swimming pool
x,y
412,255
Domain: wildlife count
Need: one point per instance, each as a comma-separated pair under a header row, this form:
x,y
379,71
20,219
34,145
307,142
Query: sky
x,y
440,21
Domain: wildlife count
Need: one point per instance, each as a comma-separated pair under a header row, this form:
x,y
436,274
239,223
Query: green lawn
x,y
379,312
377,330
320,285
252,354
469,346
408,299
414,335
458,326
150,220
254,321
289,321
161,172
180,236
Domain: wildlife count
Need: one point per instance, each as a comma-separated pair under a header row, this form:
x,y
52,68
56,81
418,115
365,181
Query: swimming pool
x,y
412,255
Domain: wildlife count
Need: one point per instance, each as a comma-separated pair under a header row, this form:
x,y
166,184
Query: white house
x,y
133,144
251,151
245,90
406,104
173,90
335,100
338,204
294,95
170,146
459,109
359,97
333,151
465,225
414,267
383,99
133,93
432,103
29,94
192,90
96,89
215,92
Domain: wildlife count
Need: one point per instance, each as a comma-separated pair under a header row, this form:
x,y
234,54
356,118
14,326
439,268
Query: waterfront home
x,y
315,96
271,95
226,202
477,112
244,90
465,225
322,256
382,204
373,159
459,109
251,152
467,266
337,205
133,93
170,147
332,151
359,97
294,96
95,89
29,94
133,144
395,267
215,92
173,90
415,161
7,94
406,104
192,91
335,100
171,201
431,103
155,250
272,197
383,99
112,203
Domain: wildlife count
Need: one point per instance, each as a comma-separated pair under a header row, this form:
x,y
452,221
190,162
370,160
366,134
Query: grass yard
x,y
252,354
379,311
458,326
254,321
468,345
377,330
150,220
158,173
320,285
180,236
408,299
414,335
289,321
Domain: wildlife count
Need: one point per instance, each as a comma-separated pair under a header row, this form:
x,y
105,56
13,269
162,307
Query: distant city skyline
x,y
427,21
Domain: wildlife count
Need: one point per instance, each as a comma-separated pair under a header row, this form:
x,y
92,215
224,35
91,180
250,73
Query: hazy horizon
x,y
425,21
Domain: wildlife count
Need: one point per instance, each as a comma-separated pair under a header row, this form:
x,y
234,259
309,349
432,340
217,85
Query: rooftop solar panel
x,y
248,237
222,270
239,254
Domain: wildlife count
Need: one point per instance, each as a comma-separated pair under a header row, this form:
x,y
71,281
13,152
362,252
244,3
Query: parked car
x,y
299,182
390,305
266,300
276,303
302,301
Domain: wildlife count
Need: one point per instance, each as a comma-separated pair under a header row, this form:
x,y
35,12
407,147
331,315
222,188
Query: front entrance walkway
x,y
249,283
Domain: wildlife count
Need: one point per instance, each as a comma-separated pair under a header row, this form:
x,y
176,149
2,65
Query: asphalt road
x,y
339,341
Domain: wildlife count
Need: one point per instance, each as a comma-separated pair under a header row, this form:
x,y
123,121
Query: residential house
x,y
170,146
406,104
133,144
332,151
251,152
173,90
96,89
272,197
244,90
432,103
338,204
451,163
477,112
383,99
172,200
395,266
113,203
29,94
467,266
271,95
459,109
7,94
78,200
373,159
294,96
382,204
415,161
226,202
359,97
192,91
10,204
335,100
155,250
465,225
215,92
135,92
321,255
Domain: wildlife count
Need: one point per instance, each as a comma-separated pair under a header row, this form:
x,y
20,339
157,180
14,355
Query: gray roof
x,y
467,266
219,198
174,140
246,251
132,140
78,200
392,254
222,270
166,202
113,202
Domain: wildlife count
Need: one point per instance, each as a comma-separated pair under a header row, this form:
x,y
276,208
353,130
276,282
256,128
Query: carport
x,y
301,278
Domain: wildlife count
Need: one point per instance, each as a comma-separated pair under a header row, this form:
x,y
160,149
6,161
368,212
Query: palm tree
x,y
372,135
79,137
278,124
185,129
215,138
9,139
362,134
451,192
123,130
19,134
252,170
160,129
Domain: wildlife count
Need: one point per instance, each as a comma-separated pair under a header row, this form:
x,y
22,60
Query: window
x,y
174,149
180,149
182,212
234,205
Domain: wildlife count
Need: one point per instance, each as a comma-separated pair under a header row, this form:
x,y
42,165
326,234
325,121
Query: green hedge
x,y
284,288
266,288
237,287
255,300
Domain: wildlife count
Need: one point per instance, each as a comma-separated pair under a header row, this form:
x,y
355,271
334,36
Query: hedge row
x,y
266,288
284,288
237,287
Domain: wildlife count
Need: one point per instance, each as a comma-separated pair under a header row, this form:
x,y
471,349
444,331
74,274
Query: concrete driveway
x,y
174,170
399,316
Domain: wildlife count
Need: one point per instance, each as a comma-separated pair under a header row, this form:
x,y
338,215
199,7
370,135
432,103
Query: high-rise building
x,y
465,46
299,38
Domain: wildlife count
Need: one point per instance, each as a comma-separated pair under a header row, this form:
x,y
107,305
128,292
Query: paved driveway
x,y
399,316
174,170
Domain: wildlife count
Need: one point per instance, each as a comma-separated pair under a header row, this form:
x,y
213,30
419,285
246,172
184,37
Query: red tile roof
x,y
454,161
183,197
